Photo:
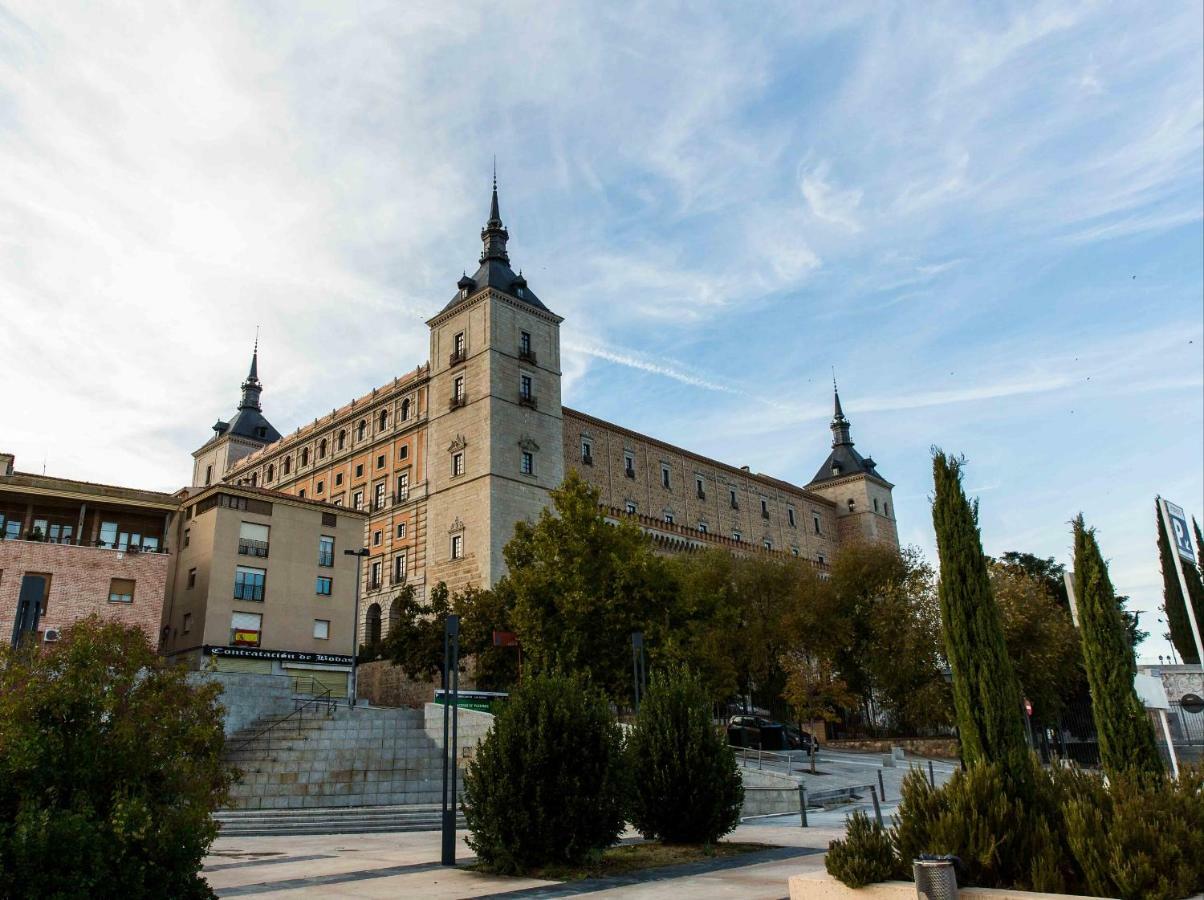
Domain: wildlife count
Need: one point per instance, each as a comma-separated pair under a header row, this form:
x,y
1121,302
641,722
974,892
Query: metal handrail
x,y
299,707
787,758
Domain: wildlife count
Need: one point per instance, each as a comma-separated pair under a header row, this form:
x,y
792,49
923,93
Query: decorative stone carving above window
x,y
456,526
457,445
529,445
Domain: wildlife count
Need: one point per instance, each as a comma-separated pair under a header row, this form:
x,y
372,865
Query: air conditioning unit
x,y
50,635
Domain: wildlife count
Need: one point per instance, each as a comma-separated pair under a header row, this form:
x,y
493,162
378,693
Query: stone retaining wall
x,y
937,748
383,684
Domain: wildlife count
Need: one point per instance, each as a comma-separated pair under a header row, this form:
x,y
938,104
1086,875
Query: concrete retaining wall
x,y
249,697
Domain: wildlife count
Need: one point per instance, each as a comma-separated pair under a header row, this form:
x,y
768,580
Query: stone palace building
x,y
448,457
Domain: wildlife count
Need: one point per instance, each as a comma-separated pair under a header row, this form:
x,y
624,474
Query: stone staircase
x,y
366,762
332,820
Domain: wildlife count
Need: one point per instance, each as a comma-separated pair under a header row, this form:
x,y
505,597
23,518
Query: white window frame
x,y
322,625
456,547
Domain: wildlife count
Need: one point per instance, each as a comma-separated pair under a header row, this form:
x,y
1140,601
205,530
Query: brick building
x,y
69,549
446,458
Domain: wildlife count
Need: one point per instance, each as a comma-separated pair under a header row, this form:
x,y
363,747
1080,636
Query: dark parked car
x,y
797,739
757,733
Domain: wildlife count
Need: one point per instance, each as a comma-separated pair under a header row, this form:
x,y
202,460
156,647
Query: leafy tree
x,y
1126,735
581,586
415,639
1044,569
814,689
704,628
985,691
547,784
1172,593
685,787
1041,640
110,768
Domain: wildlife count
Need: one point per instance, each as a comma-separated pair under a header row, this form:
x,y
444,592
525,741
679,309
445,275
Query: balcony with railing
x,y
526,354
587,459
457,400
248,547
457,357
527,400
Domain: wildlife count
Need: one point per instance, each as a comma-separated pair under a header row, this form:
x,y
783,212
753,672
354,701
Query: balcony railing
x,y
587,459
527,355
457,401
34,538
457,357
248,547
397,579
528,400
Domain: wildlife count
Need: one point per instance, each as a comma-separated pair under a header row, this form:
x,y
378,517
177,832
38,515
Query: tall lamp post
x,y
639,672
355,629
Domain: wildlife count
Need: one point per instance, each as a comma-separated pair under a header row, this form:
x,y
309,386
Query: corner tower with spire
x,y
245,433
496,438
864,503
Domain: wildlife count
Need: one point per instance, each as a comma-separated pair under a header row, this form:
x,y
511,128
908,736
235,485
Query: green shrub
x,y
1007,833
865,856
110,768
1139,836
547,783
685,787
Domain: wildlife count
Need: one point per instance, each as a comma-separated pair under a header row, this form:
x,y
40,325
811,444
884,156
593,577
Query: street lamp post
x,y
355,628
639,673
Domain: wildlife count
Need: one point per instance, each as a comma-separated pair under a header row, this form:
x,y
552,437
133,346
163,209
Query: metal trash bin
x,y
936,878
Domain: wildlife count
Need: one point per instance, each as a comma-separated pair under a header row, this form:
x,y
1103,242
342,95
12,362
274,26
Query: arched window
x,y
405,410
384,419
288,464
373,635
363,429
305,456
322,449
394,614
254,479
271,473
342,438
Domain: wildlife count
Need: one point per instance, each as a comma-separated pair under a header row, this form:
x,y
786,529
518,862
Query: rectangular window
x,y
301,493
338,478
769,545
458,345
587,452
737,536
458,388
457,464
527,464
524,386
187,536
329,520
359,471
664,476
248,583
629,465
669,518
403,452
732,497
524,344
378,496
321,487
399,568
108,534
401,529
764,509
790,515
702,527
191,579
245,629
820,559
403,487
457,546
322,629
794,551
326,551
875,504
187,623
121,590
323,585
357,499
208,475
376,538
253,539
702,494
374,579
815,522
630,508
380,462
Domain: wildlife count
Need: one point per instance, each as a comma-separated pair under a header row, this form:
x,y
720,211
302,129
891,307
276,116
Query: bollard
x,y
881,786
931,774
877,807
802,806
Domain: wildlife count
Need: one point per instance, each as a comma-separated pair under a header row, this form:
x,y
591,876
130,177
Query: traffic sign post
x,y
1175,521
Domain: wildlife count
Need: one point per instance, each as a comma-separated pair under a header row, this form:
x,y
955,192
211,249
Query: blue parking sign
x,y
1180,536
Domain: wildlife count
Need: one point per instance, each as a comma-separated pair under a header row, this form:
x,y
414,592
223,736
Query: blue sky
x,y
987,218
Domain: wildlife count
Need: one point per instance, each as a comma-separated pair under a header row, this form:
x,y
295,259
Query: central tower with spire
x,y
496,445
863,497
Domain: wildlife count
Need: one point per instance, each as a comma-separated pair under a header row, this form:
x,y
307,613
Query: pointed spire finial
x,y
494,235
253,375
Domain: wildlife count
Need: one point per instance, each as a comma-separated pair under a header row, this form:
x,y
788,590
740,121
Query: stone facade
x,y
447,459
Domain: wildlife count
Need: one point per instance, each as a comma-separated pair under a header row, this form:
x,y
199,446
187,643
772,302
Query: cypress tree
x,y
1126,734
985,691
1172,594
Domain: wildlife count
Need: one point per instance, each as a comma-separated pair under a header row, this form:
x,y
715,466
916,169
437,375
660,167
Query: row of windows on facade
x,y
460,348
246,629
111,534
403,453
